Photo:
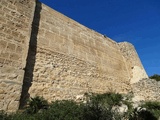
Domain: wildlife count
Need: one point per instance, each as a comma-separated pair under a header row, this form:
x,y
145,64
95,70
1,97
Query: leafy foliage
x,y
130,109
64,110
22,116
3,116
99,106
156,77
142,114
153,107
96,107
36,104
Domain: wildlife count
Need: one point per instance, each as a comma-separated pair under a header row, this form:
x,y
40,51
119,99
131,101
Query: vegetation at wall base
x,y
142,114
99,106
3,115
155,76
153,108
96,107
36,104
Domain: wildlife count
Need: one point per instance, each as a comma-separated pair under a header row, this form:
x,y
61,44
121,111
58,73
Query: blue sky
x,y
135,21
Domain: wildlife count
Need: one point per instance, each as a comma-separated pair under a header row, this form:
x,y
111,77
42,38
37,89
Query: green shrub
x,y
3,116
106,99
153,107
36,104
142,114
64,110
99,106
130,109
22,116
147,111
155,76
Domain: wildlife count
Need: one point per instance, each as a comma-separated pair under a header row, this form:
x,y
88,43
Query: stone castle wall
x,y
134,65
15,26
146,90
72,59
61,58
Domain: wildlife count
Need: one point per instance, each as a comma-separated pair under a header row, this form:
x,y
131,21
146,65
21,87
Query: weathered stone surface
x,y
72,59
57,57
134,66
15,25
146,90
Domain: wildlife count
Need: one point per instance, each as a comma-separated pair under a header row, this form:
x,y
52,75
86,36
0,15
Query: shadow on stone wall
x,y
31,58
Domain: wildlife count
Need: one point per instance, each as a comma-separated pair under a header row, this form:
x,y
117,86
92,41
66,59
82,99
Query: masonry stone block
x,y
3,44
11,47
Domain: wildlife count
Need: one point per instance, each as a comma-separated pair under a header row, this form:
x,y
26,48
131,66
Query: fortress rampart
x,y
44,53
